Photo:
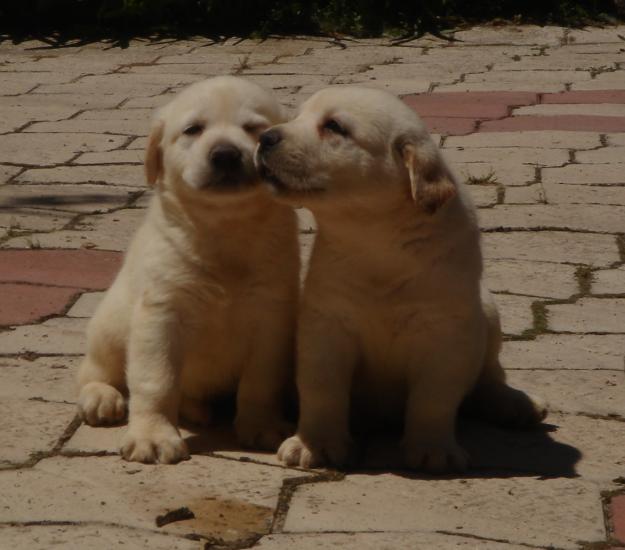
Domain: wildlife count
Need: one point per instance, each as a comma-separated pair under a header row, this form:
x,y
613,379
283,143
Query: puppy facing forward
x,y
393,321
205,302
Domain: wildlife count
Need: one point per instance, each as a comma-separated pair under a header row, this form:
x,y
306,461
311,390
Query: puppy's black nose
x,y
270,139
225,157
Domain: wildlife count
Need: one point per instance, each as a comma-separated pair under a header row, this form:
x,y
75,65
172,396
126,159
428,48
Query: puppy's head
x,y
349,140
203,141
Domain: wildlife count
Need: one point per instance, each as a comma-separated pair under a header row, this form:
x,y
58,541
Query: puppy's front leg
x,y
154,362
326,359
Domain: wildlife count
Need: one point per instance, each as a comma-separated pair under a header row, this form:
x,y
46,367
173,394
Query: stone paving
x,y
533,118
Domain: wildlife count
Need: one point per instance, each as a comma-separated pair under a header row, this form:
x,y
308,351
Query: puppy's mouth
x,y
231,180
280,184
270,177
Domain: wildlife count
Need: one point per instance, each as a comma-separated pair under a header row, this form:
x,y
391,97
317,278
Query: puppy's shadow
x,y
494,453
212,439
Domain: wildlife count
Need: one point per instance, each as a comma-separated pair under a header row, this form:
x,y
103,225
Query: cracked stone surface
x,y
532,117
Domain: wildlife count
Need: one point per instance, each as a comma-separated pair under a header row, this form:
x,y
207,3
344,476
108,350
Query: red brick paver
x,y
460,113
617,512
577,123
25,303
86,269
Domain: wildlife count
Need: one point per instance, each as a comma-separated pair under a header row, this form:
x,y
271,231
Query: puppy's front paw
x,y
161,444
335,452
100,404
435,457
264,434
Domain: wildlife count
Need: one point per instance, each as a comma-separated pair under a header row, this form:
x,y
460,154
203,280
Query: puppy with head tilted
x,y
205,302
393,323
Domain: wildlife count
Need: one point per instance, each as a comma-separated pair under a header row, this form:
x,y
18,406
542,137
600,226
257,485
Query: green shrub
x,y
76,18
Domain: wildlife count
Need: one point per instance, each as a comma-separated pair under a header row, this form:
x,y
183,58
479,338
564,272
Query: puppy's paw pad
x,y
436,459
149,450
100,404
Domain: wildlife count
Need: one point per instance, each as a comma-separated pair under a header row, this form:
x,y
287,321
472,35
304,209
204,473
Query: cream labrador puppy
x,y
393,322
205,302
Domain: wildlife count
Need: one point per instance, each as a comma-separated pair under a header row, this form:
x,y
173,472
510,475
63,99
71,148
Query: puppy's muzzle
x,y
268,140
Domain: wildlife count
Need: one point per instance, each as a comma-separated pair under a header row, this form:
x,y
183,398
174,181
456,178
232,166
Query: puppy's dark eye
x,y
193,130
254,128
333,126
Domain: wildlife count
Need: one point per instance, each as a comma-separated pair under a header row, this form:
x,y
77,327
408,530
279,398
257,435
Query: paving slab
x,y
616,139
607,155
30,428
519,155
380,541
566,352
230,499
582,174
609,281
483,196
57,336
86,305
552,246
532,138
558,193
604,81
530,194
115,174
519,510
590,392
20,148
591,218
515,312
112,231
531,278
93,535
588,315
23,219
39,378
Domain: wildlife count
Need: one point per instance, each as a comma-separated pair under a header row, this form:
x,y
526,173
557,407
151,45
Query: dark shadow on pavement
x,y
494,452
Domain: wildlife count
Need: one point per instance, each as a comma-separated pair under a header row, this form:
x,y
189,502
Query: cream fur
x,y
394,322
205,302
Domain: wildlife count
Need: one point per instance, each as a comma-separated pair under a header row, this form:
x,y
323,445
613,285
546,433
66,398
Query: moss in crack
x,y
620,243
488,179
540,316
585,277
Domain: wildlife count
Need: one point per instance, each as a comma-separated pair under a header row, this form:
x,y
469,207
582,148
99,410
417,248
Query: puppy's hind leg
x,y
101,377
492,398
261,394
438,382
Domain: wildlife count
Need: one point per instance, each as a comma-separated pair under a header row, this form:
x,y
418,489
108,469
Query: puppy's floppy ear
x,y
154,153
431,184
